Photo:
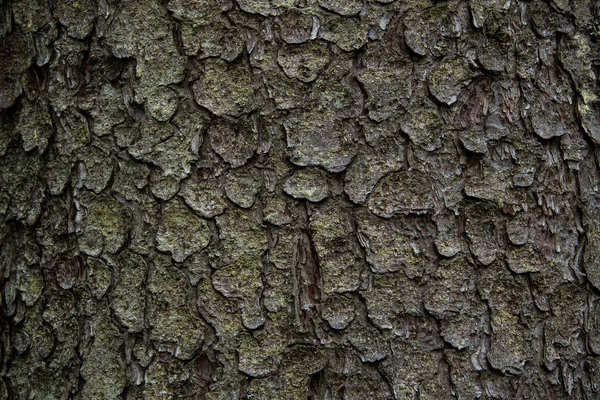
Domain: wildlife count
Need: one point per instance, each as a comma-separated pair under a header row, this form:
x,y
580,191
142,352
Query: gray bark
x,y
324,199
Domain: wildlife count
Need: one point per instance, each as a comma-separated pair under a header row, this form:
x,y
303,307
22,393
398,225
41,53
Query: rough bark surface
x,y
324,199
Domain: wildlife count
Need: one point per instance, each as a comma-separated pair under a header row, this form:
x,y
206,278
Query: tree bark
x,y
299,199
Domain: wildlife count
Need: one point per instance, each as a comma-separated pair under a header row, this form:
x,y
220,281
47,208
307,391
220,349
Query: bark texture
x,y
292,199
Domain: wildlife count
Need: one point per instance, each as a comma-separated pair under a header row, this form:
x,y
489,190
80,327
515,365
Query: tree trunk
x,y
299,199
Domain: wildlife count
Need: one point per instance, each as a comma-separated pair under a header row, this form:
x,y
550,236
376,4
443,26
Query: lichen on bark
x,y
299,199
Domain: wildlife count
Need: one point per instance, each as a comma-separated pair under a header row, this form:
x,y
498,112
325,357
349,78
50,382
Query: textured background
x,y
332,199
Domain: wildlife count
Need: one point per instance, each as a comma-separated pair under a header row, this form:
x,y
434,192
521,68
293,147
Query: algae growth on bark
x,y
299,199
